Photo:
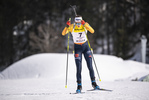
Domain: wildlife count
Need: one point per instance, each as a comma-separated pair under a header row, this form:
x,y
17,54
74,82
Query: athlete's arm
x,y
87,26
67,29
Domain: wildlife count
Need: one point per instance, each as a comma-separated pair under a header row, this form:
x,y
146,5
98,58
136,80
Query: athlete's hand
x,y
82,22
68,23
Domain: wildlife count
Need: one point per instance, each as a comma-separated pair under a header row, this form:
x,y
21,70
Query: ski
x,y
101,89
78,93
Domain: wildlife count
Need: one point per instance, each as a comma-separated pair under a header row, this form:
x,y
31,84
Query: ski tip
x,y
99,79
66,86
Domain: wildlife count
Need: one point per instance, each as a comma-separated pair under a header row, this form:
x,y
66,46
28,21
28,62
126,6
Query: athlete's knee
x,y
89,54
77,57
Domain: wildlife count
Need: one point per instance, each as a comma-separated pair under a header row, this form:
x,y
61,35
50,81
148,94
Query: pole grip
x,y
69,19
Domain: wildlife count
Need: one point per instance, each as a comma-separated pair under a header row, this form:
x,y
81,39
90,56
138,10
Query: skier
x,y
81,47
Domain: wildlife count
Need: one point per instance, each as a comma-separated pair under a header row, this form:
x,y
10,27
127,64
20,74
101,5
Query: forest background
x,y
30,27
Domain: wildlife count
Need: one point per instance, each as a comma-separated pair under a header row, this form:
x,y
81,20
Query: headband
x,y
78,19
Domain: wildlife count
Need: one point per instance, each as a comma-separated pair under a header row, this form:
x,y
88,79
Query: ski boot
x,y
95,86
79,88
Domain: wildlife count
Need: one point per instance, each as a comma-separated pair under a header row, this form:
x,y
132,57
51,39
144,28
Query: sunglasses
x,y
78,23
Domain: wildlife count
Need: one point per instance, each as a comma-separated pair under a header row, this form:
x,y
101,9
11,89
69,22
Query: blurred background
x,y
30,27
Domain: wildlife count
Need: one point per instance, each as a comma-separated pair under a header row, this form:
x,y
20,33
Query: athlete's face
x,y
78,24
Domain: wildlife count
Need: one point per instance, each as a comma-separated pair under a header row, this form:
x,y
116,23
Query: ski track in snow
x,y
42,77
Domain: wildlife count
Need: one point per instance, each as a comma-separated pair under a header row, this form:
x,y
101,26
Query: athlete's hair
x,y
78,16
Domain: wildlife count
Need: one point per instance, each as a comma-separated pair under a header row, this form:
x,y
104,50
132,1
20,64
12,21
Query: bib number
x,y
80,34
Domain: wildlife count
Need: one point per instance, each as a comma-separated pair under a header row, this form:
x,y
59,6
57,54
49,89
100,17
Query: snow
x,y
43,89
42,77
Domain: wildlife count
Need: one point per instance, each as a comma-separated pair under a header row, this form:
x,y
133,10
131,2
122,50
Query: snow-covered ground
x,y
47,89
42,77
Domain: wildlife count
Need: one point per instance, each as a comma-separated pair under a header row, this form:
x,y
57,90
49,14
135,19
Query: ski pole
x,y
67,55
92,54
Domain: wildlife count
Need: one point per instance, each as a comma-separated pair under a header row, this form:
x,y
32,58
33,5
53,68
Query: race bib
x,y
79,37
